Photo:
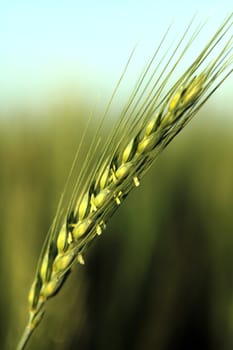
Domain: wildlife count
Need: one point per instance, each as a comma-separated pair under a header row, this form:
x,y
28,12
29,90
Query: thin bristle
x,y
151,118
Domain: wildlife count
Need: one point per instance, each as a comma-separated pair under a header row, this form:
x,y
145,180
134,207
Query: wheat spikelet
x,y
146,126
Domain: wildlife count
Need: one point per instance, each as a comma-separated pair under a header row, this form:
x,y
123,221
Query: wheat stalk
x,y
147,124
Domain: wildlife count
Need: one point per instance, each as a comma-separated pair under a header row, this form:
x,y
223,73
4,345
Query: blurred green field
x,y
161,275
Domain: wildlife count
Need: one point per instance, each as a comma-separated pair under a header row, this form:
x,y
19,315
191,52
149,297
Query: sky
x,y
51,46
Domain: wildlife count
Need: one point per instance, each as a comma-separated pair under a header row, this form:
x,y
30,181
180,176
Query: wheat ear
x,y
148,123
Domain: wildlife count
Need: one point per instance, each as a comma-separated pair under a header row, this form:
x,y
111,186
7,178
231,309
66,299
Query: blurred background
x,y
161,275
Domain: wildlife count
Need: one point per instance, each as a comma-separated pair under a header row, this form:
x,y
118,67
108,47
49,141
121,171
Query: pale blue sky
x,y
50,45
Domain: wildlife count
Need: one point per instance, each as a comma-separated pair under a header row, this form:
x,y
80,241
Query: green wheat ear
x,y
149,121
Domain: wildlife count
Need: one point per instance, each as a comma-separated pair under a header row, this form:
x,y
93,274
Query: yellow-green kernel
x,y
194,89
62,239
175,100
104,178
44,267
31,294
99,200
83,206
146,144
127,151
123,171
151,124
49,288
62,262
81,228
168,119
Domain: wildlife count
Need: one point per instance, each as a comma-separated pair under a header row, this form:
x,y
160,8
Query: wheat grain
x,y
146,126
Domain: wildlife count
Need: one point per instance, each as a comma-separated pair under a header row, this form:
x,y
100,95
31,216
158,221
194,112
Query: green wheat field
x,y
161,275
